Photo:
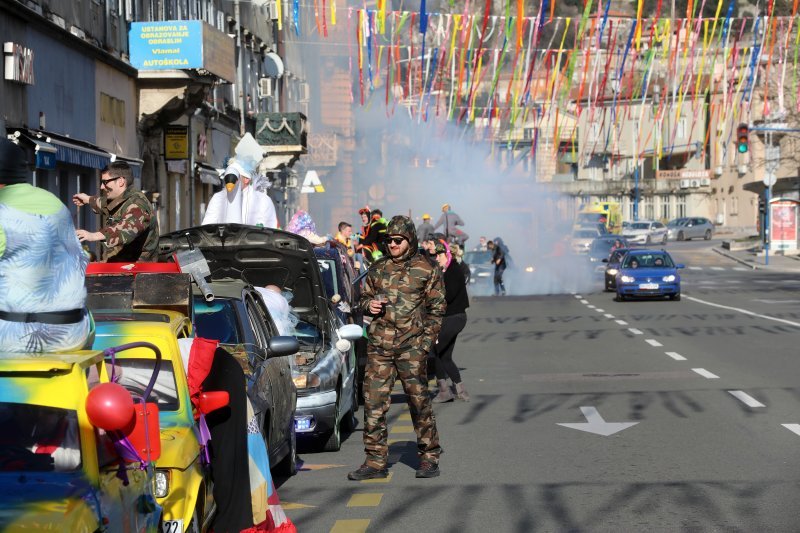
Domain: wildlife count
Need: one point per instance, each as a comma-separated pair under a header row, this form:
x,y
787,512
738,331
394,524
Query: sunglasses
x,y
104,183
395,240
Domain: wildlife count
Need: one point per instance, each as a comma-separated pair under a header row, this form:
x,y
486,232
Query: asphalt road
x,y
709,385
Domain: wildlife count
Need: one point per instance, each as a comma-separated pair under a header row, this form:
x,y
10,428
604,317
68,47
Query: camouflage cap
x,y
403,226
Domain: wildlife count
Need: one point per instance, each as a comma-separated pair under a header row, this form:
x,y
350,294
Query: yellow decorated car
x,y
57,471
182,481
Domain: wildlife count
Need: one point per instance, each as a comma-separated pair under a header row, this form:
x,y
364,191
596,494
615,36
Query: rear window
x,y
36,438
135,374
216,320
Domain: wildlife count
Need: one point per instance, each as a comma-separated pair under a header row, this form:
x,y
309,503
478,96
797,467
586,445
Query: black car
x,y
238,318
612,268
601,248
481,270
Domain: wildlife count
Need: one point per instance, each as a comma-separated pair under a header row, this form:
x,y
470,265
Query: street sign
x,y
770,179
597,425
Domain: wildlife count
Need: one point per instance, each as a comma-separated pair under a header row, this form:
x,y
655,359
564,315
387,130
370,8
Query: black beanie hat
x,y
13,163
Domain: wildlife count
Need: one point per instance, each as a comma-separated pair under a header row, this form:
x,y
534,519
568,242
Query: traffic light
x,y
742,138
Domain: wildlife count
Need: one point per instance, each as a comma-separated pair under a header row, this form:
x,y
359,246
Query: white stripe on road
x,y
744,311
578,296
676,356
705,373
794,428
695,268
608,315
600,310
653,342
590,306
717,268
635,331
745,398
741,269
621,322
584,302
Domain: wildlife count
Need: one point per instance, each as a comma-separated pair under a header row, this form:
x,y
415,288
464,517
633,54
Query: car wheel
x,y
675,297
619,298
681,236
288,466
647,240
664,239
707,236
333,441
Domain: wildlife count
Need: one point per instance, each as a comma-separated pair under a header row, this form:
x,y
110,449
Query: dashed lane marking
x,y
705,373
745,398
350,526
402,429
695,268
741,269
590,306
608,315
794,428
365,499
621,322
291,505
584,301
653,342
717,268
635,331
405,417
600,310
578,296
676,356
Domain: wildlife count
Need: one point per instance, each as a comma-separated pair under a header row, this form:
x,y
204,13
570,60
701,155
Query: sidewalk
x,y
777,263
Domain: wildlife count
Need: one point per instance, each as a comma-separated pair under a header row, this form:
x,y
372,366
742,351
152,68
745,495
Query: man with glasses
x,y
404,294
130,228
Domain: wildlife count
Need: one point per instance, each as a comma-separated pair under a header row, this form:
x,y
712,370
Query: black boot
x,y
367,472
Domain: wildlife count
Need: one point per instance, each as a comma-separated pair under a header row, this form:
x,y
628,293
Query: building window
x,y
665,211
734,205
681,206
649,213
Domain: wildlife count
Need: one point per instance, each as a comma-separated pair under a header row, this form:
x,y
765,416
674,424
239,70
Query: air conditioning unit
x,y
264,87
705,182
694,184
685,184
303,92
272,10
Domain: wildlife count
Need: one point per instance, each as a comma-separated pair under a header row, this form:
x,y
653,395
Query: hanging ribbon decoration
x,y
296,16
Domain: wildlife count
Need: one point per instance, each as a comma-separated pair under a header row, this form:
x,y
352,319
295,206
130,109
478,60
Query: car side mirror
x,y
351,332
211,401
680,265
282,345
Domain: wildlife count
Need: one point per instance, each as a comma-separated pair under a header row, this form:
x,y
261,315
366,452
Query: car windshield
x,y
640,225
35,438
584,234
654,260
216,320
677,222
134,374
587,219
307,334
477,258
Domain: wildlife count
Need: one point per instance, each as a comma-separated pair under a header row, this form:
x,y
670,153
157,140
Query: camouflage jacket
x,y
130,228
414,287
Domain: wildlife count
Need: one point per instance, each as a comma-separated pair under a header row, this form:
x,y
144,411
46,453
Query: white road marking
x,y
621,322
705,373
608,315
794,428
600,310
578,296
741,269
776,301
676,356
717,268
635,331
590,306
584,302
695,268
745,398
653,342
744,311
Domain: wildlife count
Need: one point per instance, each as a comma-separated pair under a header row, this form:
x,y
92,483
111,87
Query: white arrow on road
x,y
595,423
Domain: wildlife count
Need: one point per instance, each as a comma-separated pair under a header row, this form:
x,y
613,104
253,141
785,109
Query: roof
x,y
39,362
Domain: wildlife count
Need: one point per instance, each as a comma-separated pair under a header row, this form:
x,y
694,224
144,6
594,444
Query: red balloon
x,y
109,407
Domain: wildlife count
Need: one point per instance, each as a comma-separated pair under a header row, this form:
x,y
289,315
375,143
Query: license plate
x,y
648,286
172,526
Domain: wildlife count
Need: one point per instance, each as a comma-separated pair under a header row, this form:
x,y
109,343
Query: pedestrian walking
x,y
455,319
130,228
499,260
425,229
405,296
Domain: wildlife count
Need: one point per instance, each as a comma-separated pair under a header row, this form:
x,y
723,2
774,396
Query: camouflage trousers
x,y
383,368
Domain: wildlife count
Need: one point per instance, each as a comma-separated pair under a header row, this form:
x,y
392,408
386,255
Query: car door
x,y
266,379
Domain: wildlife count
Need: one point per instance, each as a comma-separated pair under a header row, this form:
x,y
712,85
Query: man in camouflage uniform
x,y
405,295
130,228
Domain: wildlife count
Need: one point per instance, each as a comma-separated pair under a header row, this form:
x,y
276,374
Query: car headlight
x,y
627,279
162,483
306,380
669,278
613,271
472,270
529,269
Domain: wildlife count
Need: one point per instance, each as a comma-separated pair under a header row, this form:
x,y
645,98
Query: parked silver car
x,y
683,229
645,232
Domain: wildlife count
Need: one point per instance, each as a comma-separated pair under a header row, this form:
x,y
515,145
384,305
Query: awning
x,y
208,174
135,164
80,154
44,152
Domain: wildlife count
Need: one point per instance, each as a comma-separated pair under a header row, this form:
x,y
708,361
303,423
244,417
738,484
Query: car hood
x,y
259,256
648,272
179,448
47,501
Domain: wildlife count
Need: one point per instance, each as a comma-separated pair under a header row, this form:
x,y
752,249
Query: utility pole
x,y
239,64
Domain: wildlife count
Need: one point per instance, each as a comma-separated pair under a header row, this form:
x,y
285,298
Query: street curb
x,y
729,256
